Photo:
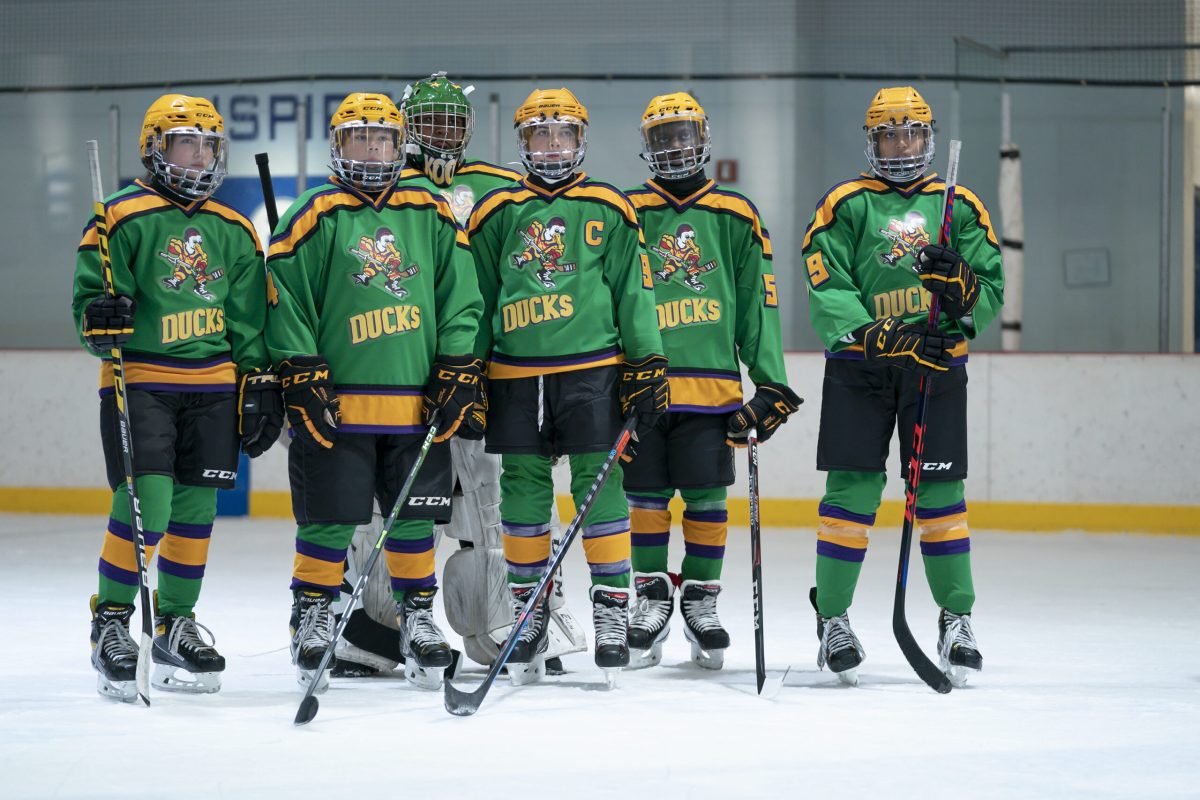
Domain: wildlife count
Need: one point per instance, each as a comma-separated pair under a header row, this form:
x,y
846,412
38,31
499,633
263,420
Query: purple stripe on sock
x,y
404,584
537,567
525,528
180,570
611,569
330,554
704,550
423,545
830,510
653,503
606,528
950,548
123,531
650,539
707,516
841,553
115,573
933,513
189,531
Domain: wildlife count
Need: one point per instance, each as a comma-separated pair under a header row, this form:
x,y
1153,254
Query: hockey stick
x,y
268,190
118,364
309,704
464,704
760,658
926,669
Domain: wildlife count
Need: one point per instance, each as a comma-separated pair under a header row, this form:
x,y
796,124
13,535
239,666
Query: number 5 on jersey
x,y
771,296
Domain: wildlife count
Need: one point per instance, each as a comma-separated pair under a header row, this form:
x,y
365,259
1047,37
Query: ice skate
x,y
610,615
202,293
312,627
172,283
527,662
426,652
694,283
703,629
839,648
179,647
957,648
651,621
114,651
546,277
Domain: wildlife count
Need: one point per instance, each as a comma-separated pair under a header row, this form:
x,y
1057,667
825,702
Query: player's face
x,y
556,139
901,142
369,143
441,130
191,150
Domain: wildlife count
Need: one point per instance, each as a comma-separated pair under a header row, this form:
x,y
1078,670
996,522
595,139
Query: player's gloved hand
x,y
453,389
944,272
313,410
108,322
476,421
260,412
907,346
770,407
644,391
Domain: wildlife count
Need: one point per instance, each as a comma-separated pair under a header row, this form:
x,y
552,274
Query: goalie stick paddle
x,y
924,667
760,658
464,704
309,704
268,192
142,676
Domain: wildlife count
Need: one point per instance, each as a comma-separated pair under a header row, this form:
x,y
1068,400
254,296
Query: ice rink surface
x,y
1090,689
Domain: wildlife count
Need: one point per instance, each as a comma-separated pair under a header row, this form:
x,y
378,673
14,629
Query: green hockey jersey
x,y
860,252
565,282
196,273
472,180
378,287
710,258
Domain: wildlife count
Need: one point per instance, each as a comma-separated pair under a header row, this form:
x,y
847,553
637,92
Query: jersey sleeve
x,y
834,305
758,334
295,277
627,273
975,240
456,289
246,307
88,283
484,240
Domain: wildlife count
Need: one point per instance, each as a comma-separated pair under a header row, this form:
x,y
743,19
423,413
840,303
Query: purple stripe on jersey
x,y
653,503
837,551
180,570
423,545
830,510
499,358
182,388
179,363
187,530
115,573
650,539
703,550
378,390
302,211
950,548
606,528
714,375
679,407
334,555
404,584
382,429
706,516
846,355
933,513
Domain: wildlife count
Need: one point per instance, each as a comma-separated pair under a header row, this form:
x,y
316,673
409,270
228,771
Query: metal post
x,y
301,146
494,105
114,121
1164,254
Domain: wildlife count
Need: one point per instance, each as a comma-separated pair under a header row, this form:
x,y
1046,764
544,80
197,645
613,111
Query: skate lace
x,y
650,614
316,625
958,632
701,612
115,641
611,624
185,636
422,630
533,627
838,637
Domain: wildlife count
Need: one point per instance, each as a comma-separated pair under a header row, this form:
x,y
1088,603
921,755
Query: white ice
x,y
1090,689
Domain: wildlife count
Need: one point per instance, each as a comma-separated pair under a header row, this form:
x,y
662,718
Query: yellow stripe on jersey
x,y
741,207
825,214
222,210
302,225
420,196
493,201
484,168
608,195
683,201
137,373
704,392
503,371
380,410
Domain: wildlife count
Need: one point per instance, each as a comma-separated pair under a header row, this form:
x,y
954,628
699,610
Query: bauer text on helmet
x,y
366,138
440,121
551,133
899,128
675,137
183,144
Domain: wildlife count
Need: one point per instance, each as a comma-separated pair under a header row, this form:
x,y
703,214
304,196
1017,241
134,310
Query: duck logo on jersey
x,y
380,256
544,246
681,254
187,258
462,201
907,236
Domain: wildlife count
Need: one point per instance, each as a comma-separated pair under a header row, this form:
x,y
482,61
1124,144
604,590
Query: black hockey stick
x,y
268,190
309,705
464,704
926,669
760,658
118,365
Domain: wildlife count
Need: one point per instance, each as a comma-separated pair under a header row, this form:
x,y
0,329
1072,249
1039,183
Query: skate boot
x,y
114,651
362,278
840,648
312,627
172,283
651,620
610,616
426,653
202,293
702,627
527,662
178,645
957,648
694,283
546,277
663,275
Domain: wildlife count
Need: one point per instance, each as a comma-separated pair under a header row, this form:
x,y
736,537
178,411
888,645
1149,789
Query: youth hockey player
x,y
872,261
374,311
188,312
570,333
710,257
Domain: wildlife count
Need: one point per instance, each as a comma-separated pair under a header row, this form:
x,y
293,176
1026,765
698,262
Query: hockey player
x,y
439,120
568,358
365,370
711,260
872,262
188,312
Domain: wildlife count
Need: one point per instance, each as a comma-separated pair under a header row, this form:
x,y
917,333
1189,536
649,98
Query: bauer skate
x,y
426,652
114,652
651,622
610,615
312,626
527,662
703,629
957,648
179,647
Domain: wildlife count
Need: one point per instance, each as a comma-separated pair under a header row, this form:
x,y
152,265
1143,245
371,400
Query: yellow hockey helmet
x,y
675,138
183,144
366,138
899,126
551,133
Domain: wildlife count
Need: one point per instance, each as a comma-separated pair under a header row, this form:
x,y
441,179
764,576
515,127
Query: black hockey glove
x,y
313,410
770,407
476,421
943,272
644,391
108,322
260,412
453,389
907,346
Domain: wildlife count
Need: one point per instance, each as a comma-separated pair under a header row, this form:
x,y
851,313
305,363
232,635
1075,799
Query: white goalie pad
x,y
475,515
361,644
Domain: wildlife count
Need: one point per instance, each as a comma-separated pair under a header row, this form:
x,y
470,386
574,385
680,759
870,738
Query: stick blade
x,y
926,670
142,676
460,703
774,685
307,710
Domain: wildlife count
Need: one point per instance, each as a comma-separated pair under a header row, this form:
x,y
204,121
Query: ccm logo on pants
x,y
435,502
938,466
224,474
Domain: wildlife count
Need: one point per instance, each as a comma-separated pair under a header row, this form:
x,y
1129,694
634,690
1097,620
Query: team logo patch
x,y
188,260
907,236
680,254
380,256
544,248
462,200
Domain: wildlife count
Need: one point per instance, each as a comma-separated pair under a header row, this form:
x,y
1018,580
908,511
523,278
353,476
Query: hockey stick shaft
x,y
760,658
268,189
126,435
921,664
464,704
309,704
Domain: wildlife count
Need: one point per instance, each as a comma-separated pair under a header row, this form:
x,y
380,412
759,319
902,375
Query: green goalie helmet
x,y
440,120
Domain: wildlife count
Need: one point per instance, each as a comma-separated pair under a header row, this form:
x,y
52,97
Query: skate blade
x,y
170,678
523,674
427,678
610,677
708,659
848,676
642,659
958,675
304,677
119,691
